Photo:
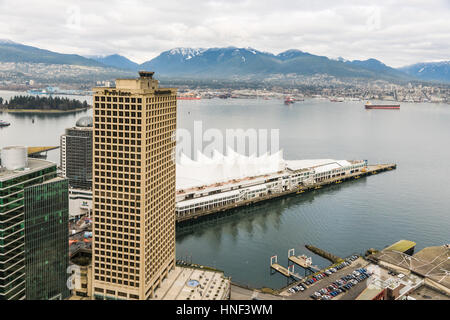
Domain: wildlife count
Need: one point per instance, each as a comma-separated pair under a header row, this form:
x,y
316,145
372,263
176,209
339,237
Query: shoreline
x,y
42,111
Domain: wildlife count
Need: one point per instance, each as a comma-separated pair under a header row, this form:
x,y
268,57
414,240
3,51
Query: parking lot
x,y
327,281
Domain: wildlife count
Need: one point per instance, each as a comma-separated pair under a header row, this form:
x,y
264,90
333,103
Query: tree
x,y
45,103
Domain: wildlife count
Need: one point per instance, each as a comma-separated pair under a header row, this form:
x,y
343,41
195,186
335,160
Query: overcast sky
x,y
395,32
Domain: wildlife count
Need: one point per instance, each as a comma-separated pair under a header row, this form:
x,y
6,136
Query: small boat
x,y
4,123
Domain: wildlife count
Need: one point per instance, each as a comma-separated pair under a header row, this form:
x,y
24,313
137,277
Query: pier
x,y
302,261
279,268
39,152
368,171
287,272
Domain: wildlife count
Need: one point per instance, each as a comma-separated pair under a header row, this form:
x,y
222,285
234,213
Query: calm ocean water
x,y
412,202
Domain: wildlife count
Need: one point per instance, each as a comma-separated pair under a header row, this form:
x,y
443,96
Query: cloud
x,y
395,32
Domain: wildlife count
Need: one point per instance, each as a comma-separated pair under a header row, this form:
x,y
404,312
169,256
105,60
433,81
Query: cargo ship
x,y
188,97
289,100
368,105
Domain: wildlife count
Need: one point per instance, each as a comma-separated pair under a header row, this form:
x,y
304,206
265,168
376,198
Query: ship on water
x,y
369,105
188,96
289,100
4,123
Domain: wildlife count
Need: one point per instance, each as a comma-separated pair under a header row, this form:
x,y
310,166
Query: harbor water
x,y
411,202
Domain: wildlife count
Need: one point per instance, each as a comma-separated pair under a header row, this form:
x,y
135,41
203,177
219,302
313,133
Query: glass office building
x,y
33,228
46,240
76,154
12,225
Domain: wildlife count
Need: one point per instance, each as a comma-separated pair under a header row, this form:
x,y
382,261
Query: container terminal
x,y
211,185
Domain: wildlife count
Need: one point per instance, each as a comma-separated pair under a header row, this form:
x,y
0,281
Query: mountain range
x,y
431,71
232,62
15,52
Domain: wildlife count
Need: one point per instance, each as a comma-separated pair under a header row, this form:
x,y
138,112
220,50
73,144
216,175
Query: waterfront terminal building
x,y
227,181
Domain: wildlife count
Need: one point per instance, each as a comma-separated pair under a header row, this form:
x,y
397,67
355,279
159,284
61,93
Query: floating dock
x,y
287,272
277,267
280,269
302,261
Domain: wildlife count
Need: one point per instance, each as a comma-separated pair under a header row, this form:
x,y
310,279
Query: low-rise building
x,y
400,274
194,283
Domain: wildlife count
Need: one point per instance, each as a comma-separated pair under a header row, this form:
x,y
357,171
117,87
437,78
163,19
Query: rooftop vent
x,y
15,157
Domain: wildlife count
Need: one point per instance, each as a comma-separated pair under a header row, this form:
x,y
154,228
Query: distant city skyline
x,y
397,33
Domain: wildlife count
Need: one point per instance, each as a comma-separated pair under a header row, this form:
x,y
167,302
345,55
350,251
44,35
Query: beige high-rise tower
x,y
133,187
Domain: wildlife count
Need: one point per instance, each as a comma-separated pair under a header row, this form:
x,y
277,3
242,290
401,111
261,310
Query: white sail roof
x,y
207,171
221,168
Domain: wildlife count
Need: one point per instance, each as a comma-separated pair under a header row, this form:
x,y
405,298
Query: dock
x,y
38,152
368,171
287,272
280,269
302,261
